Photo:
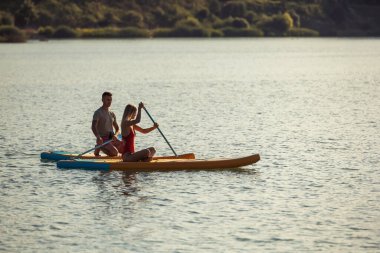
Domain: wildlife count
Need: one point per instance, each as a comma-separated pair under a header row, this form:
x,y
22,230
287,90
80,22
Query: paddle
x,y
99,146
160,131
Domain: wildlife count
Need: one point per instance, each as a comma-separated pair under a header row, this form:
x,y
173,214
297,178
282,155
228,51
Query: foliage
x,y
296,18
26,14
46,32
113,32
6,18
216,33
240,23
335,9
198,17
132,18
162,32
242,32
203,14
277,24
133,32
45,18
11,34
234,9
188,22
251,17
64,32
181,31
232,22
215,7
302,32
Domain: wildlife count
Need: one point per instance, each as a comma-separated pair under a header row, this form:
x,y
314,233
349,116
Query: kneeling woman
x,y
128,131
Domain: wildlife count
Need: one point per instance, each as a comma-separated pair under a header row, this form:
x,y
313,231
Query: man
x,y
103,124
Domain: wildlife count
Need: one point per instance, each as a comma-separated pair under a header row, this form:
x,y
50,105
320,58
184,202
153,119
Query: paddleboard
x,y
62,155
161,164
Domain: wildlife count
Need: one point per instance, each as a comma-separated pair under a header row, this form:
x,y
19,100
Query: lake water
x,y
309,107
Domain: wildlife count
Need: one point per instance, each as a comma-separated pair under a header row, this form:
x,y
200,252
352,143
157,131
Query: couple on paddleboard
x,y
103,125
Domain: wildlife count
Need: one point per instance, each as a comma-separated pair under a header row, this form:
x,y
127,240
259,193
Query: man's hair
x,y
106,93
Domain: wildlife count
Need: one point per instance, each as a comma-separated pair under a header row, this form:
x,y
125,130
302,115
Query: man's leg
x,y
110,149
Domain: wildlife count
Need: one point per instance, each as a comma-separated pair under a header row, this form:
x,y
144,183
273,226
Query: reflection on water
x,y
308,106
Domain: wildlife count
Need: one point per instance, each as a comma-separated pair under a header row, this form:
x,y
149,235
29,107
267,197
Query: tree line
x,y
186,18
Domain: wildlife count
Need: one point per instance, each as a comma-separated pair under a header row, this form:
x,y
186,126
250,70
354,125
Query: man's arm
x,y
116,126
117,129
94,128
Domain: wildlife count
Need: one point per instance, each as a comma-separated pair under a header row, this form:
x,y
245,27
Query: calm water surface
x,y
310,107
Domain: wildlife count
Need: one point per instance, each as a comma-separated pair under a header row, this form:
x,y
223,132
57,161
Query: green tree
x,y
276,25
188,22
47,31
232,22
109,19
64,32
336,10
203,14
215,7
132,18
234,9
26,14
6,18
11,34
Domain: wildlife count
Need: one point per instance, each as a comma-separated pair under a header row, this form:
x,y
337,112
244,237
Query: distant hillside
x,y
191,18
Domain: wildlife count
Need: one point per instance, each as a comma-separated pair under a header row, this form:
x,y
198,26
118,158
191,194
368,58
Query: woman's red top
x,y
129,142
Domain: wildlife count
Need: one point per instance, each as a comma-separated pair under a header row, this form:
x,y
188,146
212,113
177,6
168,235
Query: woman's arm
x,y
146,130
125,126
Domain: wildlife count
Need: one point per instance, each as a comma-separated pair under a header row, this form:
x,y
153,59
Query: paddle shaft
x,y
160,132
99,146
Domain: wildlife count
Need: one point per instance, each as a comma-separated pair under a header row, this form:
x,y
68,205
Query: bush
x,y
240,23
133,32
171,13
108,32
182,31
251,17
112,32
189,22
45,18
242,32
109,19
46,32
132,18
6,19
11,34
88,21
234,9
162,32
215,7
296,19
189,32
30,33
216,33
203,14
303,32
64,32
277,24
26,14
232,22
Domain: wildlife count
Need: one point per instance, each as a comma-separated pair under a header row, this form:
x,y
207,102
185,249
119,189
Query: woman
x,y
128,131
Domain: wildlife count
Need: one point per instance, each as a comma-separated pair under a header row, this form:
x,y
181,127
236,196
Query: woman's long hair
x,y
129,112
